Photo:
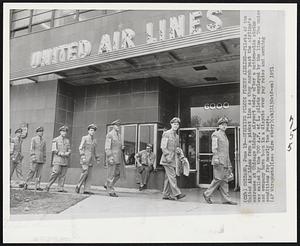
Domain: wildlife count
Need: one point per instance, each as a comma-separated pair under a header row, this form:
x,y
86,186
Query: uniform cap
x,y
175,120
149,146
64,128
18,130
222,120
39,129
116,122
92,126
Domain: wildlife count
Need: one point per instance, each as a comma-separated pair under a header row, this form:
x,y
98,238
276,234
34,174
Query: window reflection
x,y
24,21
188,145
64,17
129,138
203,117
146,136
135,141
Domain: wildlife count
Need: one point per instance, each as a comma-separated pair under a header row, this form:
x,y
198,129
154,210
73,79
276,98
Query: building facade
x,y
78,67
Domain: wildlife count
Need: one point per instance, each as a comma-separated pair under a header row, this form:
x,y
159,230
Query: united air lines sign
x,y
171,28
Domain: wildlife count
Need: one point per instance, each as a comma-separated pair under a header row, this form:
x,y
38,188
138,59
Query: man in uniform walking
x,y
61,153
16,156
88,157
169,145
146,162
38,158
221,164
114,158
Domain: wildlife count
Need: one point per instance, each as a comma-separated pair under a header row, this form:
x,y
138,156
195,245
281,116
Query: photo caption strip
x,y
259,55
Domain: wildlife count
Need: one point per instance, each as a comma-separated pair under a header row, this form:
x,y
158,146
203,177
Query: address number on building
x,y
216,105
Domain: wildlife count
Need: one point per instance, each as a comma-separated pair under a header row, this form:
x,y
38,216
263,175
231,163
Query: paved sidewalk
x,y
148,203
132,202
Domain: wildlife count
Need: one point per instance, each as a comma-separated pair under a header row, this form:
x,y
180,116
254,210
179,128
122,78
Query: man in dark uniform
x,y
38,158
146,162
61,153
221,164
169,145
114,158
88,157
16,156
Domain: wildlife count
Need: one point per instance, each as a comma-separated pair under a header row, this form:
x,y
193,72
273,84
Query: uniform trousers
x,y
219,182
170,184
85,177
35,170
18,167
143,173
59,172
113,175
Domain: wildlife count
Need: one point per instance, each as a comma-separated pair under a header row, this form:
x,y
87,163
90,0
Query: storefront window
x,y
64,17
135,137
25,21
209,115
129,137
146,135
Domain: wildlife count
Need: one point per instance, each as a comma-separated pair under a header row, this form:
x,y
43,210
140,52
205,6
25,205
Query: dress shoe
x,y
21,185
39,189
77,189
230,203
180,196
88,193
64,191
113,194
207,199
169,198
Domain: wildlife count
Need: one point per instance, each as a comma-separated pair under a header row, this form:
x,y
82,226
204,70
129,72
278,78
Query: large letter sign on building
x,y
65,52
195,23
177,26
125,38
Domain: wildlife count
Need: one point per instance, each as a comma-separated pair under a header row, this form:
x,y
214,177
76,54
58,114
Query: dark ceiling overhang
x,y
178,66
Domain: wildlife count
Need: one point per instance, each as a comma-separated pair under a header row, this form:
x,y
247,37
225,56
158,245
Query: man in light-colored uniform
x,y
146,162
169,145
221,164
16,156
61,153
38,158
88,157
114,158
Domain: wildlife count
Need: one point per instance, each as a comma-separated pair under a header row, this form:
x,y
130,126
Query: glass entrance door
x,y
189,145
205,169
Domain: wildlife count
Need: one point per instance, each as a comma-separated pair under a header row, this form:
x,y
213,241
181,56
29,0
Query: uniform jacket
x,y
61,151
169,144
113,151
38,149
146,158
113,147
88,151
16,147
220,148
